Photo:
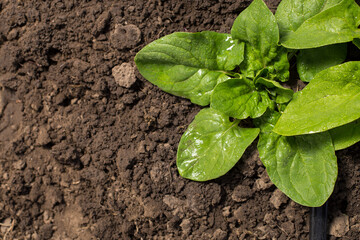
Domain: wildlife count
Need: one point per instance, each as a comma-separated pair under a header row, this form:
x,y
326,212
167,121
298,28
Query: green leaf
x,y
345,136
257,26
312,61
281,94
337,24
330,100
190,64
302,167
240,99
290,14
212,145
356,42
279,67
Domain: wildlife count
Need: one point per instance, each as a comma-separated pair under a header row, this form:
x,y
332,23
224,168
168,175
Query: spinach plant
x,y
240,75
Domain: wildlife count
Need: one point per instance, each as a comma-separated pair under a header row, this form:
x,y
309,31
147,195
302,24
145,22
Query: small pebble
x,y
19,165
5,225
124,75
339,226
278,198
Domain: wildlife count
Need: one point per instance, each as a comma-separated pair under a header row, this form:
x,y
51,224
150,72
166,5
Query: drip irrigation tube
x,y
318,220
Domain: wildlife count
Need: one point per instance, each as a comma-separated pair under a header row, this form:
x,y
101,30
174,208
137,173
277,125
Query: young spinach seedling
x,y
240,76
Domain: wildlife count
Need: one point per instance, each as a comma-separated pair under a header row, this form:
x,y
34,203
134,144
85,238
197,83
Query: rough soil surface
x,y
88,147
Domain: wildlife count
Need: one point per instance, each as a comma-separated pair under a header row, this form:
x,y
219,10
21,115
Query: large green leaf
x,y
257,26
303,167
337,24
190,64
240,99
312,61
212,145
345,136
330,100
290,14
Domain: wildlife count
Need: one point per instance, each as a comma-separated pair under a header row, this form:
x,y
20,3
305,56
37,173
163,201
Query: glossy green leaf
x,y
346,135
240,99
312,61
190,64
281,94
257,26
212,145
303,167
290,14
337,24
330,100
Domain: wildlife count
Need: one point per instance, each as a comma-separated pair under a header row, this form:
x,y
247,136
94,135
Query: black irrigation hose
x,y
318,229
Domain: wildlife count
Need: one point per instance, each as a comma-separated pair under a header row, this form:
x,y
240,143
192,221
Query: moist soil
x,y
88,146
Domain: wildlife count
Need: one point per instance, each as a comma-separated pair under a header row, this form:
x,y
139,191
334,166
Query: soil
x,y
88,146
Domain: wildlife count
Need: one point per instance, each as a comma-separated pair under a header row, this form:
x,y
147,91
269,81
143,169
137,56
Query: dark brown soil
x,y
83,156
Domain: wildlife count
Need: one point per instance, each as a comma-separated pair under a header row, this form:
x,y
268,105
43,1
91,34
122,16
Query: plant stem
x,y
291,54
318,228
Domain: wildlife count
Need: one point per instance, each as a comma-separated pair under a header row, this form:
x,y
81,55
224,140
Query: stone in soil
x,y
339,226
124,75
278,198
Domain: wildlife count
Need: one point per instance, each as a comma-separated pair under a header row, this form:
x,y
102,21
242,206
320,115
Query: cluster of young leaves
x,y
240,74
